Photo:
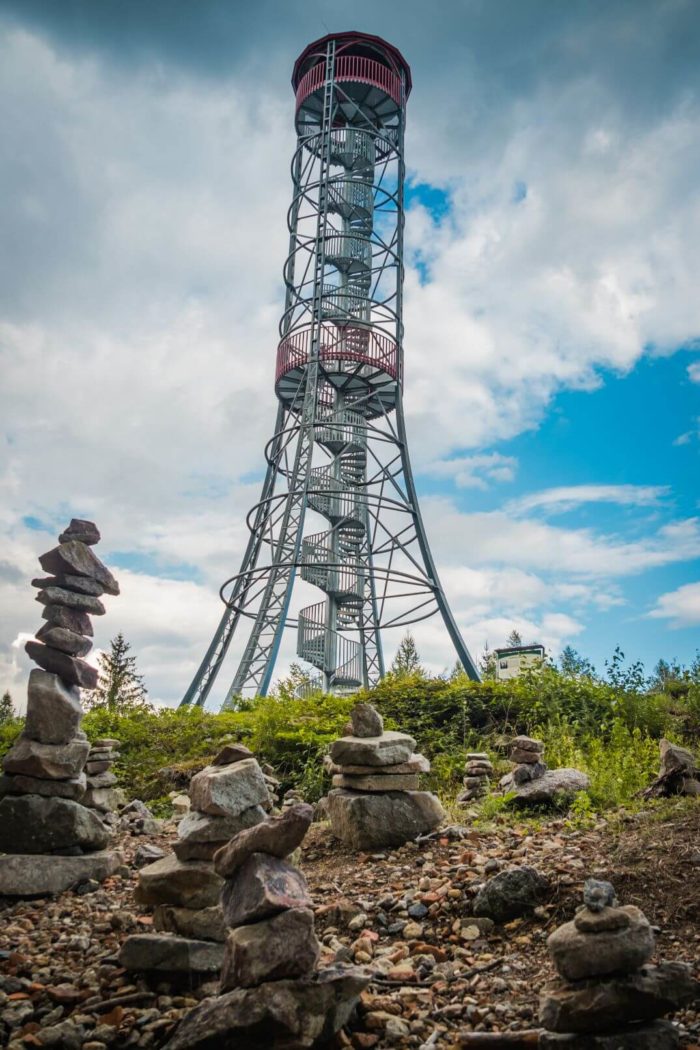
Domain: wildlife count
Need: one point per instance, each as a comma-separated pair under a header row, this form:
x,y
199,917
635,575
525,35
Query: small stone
x,y
83,603
82,530
102,780
108,742
201,835
79,584
282,947
380,781
17,784
587,921
228,790
385,750
48,875
71,619
478,769
202,924
63,639
170,954
77,559
105,799
98,767
53,710
579,956
477,756
147,853
520,755
527,743
659,1035
598,895
415,764
46,761
34,824
277,837
528,771
232,753
511,894
366,721
260,888
186,884
72,670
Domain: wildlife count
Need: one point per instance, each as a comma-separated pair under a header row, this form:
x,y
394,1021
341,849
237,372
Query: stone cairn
x,y
271,993
375,799
608,999
530,780
477,780
47,808
101,792
226,797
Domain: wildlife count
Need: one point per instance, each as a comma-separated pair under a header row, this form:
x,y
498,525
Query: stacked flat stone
x,y
226,797
527,756
608,999
102,792
44,810
375,799
531,783
271,993
477,780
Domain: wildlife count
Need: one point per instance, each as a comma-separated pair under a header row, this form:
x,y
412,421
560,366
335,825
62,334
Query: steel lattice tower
x,y
339,446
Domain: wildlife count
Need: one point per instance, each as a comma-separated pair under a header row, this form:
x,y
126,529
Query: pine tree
x,y
487,664
514,638
7,710
119,686
573,665
407,660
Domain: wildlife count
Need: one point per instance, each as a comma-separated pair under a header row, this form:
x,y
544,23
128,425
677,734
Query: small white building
x,y
513,660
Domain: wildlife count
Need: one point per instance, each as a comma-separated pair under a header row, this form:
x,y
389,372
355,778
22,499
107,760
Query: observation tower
x,y
338,507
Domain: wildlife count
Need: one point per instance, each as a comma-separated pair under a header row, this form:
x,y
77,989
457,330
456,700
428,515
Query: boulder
x,y
34,824
82,530
551,788
76,559
53,710
186,884
229,790
525,772
659,1035
380,781
79,584
272,950
201,924
276,836
385,750
201,835
170,954
71,619
370,821
599,1006
232,753
72,670
48,875
366,721
579,956
63,639
84,603
261,887
297,1013
675,759
46,761
73,788
510,894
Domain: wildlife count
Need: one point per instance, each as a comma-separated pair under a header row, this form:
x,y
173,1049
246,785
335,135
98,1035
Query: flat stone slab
x,y
76,558
377,782
185,884
71,669
46,761
660,1035
72,619
229,790
53,711
579,956
73,788
272,950
551,786
385,750
34,824
143,952
276,836
415,764
43,875
200,835
372,821
200,924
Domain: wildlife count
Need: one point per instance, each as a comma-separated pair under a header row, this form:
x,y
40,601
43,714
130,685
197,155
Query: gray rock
x,y
83,603
73,788
104,799
598,894
147,853
675,759
415,764
579,956
46,761
369,821
108,742
380,781
272,950
613,918
81,529
477,756
527,743
79,584
599,1006
260,888
72,670
64,1036
48,874
276,836
53,710
482,783
478,769
201,835
659,1035
201,924
519,754
96,767
232,753
510,894
552,787
33,824
71,619
74,558
145,952
63,639
366,721
186,884
525,772
102,780
385,750
228,790
298,1013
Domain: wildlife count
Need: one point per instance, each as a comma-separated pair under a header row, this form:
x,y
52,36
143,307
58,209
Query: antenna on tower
x,y
338,452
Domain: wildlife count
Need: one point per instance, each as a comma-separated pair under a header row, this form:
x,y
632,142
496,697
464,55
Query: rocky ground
x,y
406,913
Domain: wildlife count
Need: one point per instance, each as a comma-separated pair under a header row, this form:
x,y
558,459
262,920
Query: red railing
x,y
381,350
351,67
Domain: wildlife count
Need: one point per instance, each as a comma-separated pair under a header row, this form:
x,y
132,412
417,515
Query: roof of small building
x,y
392,52
513,650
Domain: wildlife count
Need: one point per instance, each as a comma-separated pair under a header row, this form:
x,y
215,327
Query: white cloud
x,y
475,471
694,372
566,497
681,607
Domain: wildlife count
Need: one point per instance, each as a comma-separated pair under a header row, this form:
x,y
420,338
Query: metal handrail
x,y
351,67
382,351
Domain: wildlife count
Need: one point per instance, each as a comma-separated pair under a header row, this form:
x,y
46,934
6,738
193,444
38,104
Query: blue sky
x,y
551,308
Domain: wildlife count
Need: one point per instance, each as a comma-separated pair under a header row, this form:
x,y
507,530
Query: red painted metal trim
x,y
382,351
343,40
355,68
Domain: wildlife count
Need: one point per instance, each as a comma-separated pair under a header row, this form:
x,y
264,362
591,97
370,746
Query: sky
x,y
552,314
